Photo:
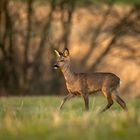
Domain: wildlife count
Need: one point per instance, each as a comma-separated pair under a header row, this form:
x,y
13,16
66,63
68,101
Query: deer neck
x,y
68,74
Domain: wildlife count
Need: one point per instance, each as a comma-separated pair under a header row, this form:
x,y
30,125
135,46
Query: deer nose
x,y
56,66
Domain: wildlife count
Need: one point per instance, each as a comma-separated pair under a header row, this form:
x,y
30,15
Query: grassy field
x,y
37,118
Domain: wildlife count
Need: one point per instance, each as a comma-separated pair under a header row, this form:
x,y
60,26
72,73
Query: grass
x,y
37,118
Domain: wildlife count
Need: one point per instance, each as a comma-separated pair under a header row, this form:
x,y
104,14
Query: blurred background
x,y
102,35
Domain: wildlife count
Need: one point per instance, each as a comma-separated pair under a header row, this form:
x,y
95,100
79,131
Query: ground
x,y
38,118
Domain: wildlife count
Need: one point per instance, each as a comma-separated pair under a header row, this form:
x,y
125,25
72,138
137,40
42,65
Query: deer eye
x,y
61,60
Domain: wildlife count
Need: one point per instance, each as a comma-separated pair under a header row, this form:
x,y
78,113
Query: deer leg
x,y
110,103
65,99
86,100
120,101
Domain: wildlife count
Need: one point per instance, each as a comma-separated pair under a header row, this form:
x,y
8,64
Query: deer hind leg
x,y
119,100
109,100
65,99
109,104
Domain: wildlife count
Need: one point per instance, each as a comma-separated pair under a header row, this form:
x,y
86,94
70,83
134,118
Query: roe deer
x,y
84,83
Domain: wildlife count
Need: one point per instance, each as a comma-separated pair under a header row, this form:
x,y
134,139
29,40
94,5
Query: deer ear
x,y
66,52
57,53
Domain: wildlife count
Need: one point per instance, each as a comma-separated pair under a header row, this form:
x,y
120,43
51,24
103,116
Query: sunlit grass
x,y
38,118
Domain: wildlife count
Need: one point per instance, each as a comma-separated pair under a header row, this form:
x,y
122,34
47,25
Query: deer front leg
x,y
64,100
86,100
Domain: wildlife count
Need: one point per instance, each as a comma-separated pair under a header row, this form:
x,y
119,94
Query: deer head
x,y
63,59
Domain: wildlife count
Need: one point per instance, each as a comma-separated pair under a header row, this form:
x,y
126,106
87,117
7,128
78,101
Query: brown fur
x,y
85,84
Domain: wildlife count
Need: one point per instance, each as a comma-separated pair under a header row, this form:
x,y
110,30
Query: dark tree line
x,y
22,65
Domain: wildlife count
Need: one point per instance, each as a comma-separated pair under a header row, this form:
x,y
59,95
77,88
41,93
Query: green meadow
x,y
38,118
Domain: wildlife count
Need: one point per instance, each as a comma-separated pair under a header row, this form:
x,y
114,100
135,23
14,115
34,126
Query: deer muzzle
x,y
56,66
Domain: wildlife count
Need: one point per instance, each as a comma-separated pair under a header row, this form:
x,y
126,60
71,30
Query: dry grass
x,y
35,118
